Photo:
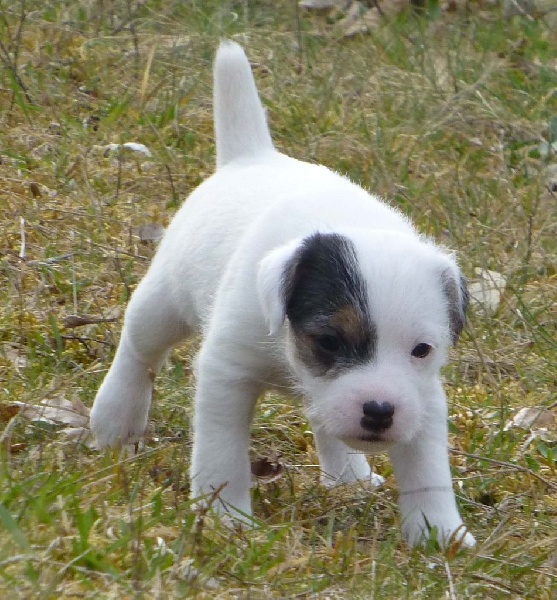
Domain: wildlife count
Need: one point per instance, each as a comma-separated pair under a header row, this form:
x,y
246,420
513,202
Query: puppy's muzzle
x,y
377,417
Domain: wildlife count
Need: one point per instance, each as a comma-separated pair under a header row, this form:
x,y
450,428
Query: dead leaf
x,y
15,448
360,19
151,232
162,531
35,189
134,146
79,320
173,41
519,7
56,411
321,4
533,416
79,434
288,565
488,290
268,468
550,176
8,412
186,571
14,354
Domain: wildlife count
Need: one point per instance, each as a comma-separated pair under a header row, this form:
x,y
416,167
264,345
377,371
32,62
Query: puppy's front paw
x,y
120,412
354,468
233,512
371,479
419,530
466,541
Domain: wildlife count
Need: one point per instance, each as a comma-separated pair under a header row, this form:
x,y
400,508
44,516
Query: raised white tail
x,y
240,123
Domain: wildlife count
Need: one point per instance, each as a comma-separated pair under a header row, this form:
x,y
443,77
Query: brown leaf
x,y
269,468
15,448
79,320
150,233
56,411
35,189
7,412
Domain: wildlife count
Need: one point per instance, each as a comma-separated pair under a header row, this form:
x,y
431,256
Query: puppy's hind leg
x,y
151,328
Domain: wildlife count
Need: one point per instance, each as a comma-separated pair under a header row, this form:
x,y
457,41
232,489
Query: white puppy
x,y
295,276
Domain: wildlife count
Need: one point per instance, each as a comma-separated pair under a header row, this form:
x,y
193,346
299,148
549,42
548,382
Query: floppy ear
x,y
274,273
456,290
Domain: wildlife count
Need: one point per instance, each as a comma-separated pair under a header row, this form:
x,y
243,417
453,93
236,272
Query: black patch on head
x,y
458,298
326,304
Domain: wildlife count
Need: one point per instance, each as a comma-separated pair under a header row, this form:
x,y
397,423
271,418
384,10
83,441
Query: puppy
x,y
295,276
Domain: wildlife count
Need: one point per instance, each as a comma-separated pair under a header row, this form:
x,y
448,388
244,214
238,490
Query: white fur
x,y
218,270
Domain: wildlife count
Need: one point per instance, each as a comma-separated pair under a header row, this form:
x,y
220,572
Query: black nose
x,y
377,416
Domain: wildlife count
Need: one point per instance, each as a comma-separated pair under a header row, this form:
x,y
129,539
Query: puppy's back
x,y
240,123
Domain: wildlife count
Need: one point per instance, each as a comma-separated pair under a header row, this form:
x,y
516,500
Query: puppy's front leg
x,y
224,404
340,464
427,498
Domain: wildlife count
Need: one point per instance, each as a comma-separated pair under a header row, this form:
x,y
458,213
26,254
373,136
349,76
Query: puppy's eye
x,y
328,342
421,350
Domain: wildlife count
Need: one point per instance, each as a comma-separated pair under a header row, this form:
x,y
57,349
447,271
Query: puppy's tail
x,y
240,123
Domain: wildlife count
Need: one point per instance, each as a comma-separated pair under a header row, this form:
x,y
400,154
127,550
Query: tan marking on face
x,y
306,352
350,321
351,326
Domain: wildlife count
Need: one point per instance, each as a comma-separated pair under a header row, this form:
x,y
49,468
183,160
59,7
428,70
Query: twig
x,y
483,362
74,280
452,594
72,321
175,196
119,177
135,38
18,558
122,276
528,255
125,22
496,583
50,261
10,59
7,432
75,560
83,340
23,249
299,36
503,463
508,563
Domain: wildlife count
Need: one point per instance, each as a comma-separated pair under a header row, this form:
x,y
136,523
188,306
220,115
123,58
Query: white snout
x,y
368,411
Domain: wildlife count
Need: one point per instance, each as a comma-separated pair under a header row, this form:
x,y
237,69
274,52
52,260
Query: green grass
x,y
442,115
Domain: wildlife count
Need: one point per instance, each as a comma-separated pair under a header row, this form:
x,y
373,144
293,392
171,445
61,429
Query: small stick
x,y
74,280
23,249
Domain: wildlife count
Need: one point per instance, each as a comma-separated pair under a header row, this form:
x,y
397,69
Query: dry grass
x,y
443,115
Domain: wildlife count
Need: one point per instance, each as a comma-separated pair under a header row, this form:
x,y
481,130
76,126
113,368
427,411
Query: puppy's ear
x,y
273,276
456,290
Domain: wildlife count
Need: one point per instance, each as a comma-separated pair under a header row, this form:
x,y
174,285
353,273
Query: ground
x,y
450,114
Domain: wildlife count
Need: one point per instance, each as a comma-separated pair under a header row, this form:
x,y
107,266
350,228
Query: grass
x,y
443,115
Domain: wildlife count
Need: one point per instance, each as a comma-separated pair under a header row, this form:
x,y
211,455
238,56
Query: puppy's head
x,y
369,320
